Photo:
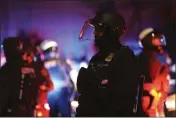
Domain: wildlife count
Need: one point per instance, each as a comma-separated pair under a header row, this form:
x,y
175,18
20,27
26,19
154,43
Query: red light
x,y
39,114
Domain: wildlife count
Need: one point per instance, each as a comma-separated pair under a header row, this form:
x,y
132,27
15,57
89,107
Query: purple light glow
x,y
62,21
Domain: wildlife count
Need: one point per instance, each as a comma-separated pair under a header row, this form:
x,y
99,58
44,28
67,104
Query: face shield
x,y
87,31
92,29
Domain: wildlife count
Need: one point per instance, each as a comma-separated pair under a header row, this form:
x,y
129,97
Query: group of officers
x,y
116,83
27,85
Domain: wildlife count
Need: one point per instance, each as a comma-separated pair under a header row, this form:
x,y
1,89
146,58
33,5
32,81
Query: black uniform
x,y
10,71
21,81
108,87
23,90
117,96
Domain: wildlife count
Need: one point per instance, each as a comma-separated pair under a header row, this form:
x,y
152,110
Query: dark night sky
x,y
61,20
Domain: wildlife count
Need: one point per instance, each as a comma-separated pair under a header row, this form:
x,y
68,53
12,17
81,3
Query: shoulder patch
x,y
109,57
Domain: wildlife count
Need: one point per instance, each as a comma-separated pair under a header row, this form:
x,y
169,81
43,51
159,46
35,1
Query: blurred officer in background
x,y
21,78
10,74
29,56
59,98
154,65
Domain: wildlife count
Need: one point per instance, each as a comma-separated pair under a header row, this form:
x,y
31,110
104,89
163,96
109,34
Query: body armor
x,y
95,84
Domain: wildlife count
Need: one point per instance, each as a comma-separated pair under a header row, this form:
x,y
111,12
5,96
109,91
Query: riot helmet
x,y
107,28
150,38
50,50
102,21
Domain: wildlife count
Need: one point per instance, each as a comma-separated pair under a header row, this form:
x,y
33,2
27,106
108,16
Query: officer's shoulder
x,y
124,51
125,48
94,57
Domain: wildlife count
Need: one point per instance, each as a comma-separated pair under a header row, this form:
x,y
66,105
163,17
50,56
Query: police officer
x,y
10,72
59,98
154,65
21,80
108,86
43,80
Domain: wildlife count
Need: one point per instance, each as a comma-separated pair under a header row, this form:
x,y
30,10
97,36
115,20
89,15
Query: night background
x,y
62,21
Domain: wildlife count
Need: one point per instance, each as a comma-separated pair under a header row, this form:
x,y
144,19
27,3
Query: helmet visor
x,y
87,31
